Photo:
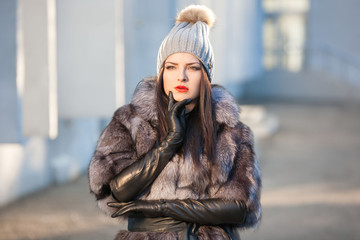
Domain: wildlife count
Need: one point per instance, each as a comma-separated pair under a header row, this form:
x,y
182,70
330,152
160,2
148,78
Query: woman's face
x,y
182,76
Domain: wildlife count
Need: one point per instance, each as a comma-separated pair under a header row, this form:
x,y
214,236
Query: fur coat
x,y
133,132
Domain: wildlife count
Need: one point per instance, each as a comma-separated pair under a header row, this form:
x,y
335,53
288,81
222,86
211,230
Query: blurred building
x,y
66,65
310,52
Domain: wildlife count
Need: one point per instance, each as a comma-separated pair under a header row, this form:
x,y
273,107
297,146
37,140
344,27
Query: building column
x,y
9,119
37,66
88,55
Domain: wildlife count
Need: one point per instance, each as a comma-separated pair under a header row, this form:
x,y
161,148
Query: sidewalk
x,y
311,186
311,180
58,213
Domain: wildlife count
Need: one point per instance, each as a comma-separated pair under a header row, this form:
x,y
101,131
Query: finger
x,y
171,100
180,105
115,204
128,209
116,214
125,209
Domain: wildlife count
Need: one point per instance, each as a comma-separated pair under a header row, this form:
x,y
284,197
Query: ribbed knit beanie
x,y
190,34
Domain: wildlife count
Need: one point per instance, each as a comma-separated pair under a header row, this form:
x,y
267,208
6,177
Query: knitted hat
x,y
190,34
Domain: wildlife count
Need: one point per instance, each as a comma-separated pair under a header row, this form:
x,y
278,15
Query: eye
x,y
169,67
195,68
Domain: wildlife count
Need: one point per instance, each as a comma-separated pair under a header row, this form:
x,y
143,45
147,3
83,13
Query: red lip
x,y
181,88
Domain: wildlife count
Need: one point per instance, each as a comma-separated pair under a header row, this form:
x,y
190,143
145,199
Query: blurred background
x,y
66,65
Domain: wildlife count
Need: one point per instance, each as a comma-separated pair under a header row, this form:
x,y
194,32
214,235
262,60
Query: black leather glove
x,y
135,178
175,118
206,211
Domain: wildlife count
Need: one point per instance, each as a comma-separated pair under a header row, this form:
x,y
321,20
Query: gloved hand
x,y
175,118
135,178
138,207
205,211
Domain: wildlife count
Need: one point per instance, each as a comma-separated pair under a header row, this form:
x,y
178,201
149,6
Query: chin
x,y
179,98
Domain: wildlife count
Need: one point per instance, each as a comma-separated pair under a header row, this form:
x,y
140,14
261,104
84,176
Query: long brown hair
x,y
201,128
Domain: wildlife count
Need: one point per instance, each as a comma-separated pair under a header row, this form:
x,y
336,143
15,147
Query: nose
x,y
182,77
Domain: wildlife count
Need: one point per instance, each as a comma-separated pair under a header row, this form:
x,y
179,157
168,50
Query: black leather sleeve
x,y
208,211
134,179
205,211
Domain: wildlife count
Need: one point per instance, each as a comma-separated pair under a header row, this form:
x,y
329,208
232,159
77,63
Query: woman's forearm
x,y
203,211
207,211
134,179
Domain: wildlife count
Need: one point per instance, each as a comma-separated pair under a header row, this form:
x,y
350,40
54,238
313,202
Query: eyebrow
x,y
186,64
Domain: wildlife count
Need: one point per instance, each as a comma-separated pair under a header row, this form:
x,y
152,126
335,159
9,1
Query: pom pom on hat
x,y
195,13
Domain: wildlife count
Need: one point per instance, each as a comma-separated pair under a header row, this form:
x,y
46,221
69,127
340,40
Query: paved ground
x,y
311,177
311,186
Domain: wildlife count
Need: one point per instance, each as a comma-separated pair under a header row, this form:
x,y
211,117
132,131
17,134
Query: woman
x,y
176,162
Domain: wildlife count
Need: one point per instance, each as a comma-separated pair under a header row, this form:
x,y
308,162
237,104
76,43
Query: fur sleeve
x,y
244,182
114,152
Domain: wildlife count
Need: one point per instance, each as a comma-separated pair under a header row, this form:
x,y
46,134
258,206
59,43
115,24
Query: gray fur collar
x,y
226,108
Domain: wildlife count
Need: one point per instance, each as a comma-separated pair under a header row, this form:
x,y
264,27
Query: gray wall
x,y
9,127
237,42
333,38
86,60
146,23
332,23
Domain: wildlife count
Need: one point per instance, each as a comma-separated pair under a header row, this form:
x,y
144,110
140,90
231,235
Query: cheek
x,y
195,85
166,83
